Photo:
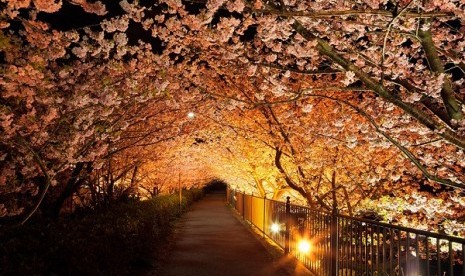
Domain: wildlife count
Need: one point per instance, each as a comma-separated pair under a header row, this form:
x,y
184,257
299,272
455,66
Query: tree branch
x,y
403,149
325,49
335,13
453,107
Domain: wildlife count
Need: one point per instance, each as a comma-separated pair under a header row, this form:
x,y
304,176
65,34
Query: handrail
x,y
436,235
407,229
345,245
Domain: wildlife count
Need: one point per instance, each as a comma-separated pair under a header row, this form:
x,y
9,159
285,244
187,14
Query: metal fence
x,y
333,244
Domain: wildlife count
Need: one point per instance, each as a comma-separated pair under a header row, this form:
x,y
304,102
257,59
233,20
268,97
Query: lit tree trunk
x,y
260,188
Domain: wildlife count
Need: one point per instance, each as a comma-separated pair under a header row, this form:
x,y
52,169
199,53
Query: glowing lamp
x,y
275,228
191,115
304,247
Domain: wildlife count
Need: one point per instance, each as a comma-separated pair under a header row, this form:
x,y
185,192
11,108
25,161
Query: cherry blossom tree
x,y
319,98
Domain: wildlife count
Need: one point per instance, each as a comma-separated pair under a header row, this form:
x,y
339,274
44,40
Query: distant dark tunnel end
x,y
215,186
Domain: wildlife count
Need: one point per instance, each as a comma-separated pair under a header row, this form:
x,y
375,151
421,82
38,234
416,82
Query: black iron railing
x,y
334,244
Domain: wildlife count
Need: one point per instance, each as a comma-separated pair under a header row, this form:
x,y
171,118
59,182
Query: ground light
x,y
304,246
275,228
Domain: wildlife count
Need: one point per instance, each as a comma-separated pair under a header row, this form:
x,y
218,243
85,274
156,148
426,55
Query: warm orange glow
x,y
275,228
304,246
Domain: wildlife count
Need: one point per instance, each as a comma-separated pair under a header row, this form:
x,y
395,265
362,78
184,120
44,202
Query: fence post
x,y
264,215
243,205
288,226
334,242
251,209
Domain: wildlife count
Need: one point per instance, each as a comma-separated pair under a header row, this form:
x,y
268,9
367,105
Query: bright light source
x,y
304,246
191,115
275,228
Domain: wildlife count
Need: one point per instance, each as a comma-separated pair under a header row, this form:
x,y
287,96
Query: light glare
x,y
304,246
275,228
191,115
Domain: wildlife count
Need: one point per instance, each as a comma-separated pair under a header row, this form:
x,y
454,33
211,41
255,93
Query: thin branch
x,y
335,13
389,27
293,185
327,50
427,142
305,72
48,181
349,206
403,149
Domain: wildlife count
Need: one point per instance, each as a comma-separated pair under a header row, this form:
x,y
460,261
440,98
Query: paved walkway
x,y
212,241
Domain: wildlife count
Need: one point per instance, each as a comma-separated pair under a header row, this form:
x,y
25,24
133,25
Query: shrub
x,y
120,240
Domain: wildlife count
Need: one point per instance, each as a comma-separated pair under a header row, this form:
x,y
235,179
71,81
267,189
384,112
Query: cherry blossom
x,y
295,98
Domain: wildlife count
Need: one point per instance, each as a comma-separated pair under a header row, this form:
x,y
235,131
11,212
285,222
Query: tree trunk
x,y
73,183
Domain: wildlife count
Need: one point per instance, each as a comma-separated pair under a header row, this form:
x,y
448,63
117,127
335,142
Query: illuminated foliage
x,y
332,102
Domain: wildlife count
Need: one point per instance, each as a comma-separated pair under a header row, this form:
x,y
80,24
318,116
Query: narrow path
x,y
212,241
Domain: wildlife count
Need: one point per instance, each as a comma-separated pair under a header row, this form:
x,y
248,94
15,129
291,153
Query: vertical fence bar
x,y
334,242
347,246
343,244
399,251
312,232
358,248
288,225
417,253
327,245
366,248
407,251
463,259
249,208
372,254
391,251
384,250
438,255
243,205
451,259
377,250
324,251
350,246
252,210
428,273
264,215
325,257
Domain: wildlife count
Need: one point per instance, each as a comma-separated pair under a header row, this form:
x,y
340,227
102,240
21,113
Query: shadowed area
x,y
215,186
212,242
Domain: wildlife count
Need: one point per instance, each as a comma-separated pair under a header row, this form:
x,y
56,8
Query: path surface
x,y
212,241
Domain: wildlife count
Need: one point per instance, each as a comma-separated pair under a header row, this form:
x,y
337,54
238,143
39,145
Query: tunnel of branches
x,y
362,99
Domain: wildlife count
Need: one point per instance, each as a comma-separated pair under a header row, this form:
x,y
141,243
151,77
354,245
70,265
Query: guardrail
x,y
328,243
